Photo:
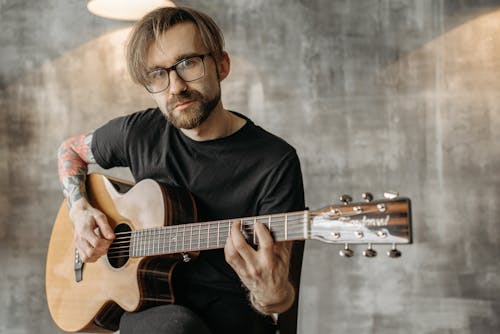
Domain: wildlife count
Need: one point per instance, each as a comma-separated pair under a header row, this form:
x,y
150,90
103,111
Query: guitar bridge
x,y
78,266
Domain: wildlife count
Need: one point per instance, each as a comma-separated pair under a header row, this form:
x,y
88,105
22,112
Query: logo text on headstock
x,y
366,221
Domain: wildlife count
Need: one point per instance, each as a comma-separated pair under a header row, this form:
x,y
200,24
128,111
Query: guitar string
x,y
157,234
189,245
187,235
276,226
126,253
200,231
185,246
161,234
293,233
201,226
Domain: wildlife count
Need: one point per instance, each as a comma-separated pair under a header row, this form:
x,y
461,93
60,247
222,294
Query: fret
x,y
183,237
150,246
169,238
158,240
137,243
150,242
156,244
155,241
215,235
218,234
138,246
208,235
199,236
226,231
191,238
164,230
141,250
175,238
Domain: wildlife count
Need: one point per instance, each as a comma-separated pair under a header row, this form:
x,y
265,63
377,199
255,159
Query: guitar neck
x,y
213,235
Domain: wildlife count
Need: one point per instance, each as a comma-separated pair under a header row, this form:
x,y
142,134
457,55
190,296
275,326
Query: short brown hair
x,y
152,25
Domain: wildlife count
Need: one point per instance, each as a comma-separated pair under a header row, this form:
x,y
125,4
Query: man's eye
x,y
187,63
157,74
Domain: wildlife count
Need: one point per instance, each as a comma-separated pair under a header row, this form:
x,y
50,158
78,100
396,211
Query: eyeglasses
x,y
188,69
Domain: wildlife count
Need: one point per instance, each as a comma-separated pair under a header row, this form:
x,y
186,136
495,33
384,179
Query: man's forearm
x,y
73,158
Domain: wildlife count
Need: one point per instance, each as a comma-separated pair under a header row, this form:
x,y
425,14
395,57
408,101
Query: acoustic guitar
x,y
156,227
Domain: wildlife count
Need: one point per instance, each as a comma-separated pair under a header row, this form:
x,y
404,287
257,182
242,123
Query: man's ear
x,y
224,66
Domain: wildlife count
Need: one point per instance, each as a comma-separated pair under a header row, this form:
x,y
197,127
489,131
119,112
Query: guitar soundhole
x,y
119,251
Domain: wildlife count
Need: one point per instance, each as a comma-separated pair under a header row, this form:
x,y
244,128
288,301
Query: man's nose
x,y
177,85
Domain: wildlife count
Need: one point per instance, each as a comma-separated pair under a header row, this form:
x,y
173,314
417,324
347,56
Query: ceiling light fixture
x,y
127,10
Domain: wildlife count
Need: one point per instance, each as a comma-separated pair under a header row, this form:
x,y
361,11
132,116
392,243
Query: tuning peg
x,y
370,252
346,252
391,194
346,199
394,253
367,197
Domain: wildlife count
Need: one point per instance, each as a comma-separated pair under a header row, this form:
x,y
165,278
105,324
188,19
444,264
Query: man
x,y
233,167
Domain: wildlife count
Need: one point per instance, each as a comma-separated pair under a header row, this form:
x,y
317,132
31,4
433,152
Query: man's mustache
x,y
186,95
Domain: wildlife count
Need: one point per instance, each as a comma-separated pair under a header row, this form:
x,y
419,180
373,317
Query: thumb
x,y
104,227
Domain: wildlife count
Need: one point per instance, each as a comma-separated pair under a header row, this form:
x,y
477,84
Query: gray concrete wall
x,y
375,95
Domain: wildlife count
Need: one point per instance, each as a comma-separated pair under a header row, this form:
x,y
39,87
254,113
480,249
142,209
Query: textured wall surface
x,y
375,95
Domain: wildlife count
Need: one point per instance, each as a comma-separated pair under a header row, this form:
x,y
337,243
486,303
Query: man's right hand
x,y
92,233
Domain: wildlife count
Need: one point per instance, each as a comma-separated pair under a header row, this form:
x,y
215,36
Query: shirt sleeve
x,y
283,190
109,143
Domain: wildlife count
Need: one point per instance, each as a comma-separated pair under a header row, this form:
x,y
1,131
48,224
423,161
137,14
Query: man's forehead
x,y
178,42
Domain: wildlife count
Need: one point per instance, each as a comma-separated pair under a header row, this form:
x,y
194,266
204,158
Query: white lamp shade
x,y
128,10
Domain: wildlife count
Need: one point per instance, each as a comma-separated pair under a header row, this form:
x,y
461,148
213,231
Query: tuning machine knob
x,y
391,194
346,199
346,252
370,252
393,252
368,197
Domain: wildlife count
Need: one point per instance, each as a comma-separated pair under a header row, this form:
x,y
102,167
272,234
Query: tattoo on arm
x,y
73,157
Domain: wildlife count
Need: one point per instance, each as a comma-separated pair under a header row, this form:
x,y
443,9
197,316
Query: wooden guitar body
x,y
111,286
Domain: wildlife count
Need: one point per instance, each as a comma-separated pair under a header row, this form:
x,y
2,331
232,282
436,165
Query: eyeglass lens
x,y
188,69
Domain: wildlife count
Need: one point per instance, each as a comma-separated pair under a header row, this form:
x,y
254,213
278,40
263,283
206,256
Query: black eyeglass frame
x,y
174,67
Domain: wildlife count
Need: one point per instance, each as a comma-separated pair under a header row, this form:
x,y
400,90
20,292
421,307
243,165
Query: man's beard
x,y
195,114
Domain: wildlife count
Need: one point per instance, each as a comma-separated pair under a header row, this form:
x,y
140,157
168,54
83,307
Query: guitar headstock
x,y
384,221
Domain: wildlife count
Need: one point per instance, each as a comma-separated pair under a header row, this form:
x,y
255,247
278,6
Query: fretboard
x,y
213,235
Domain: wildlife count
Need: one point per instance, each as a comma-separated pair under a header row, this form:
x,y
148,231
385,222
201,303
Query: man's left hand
x,y
263,271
